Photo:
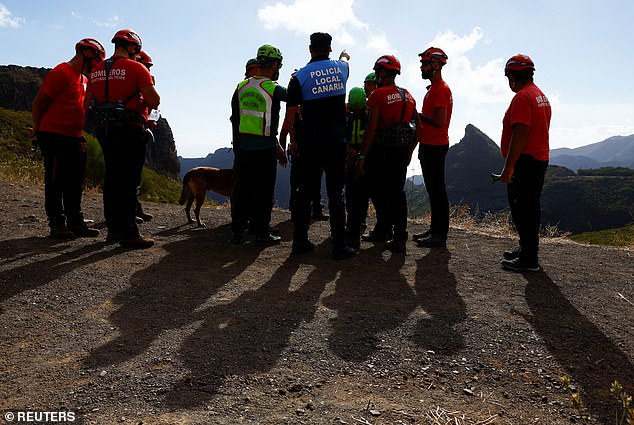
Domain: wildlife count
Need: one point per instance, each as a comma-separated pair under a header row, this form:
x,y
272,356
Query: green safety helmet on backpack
x,y
269,52
370,78
356,98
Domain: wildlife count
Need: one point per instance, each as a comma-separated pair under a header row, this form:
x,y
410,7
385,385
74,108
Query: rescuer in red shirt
x,y
58,120
388,143
435,116
525,148
122,89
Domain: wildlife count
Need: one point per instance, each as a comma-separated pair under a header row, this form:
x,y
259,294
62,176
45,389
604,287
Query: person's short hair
x,y
320,40
522,75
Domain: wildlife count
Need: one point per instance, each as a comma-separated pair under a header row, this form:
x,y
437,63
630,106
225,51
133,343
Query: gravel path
x,y
199,331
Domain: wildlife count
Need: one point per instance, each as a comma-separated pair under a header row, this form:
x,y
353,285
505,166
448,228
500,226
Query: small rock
x,y
103,373
468,391
295,388
375,413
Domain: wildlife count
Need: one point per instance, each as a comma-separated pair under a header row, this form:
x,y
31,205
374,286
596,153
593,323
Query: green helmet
x,y
268,51
370,78
356,98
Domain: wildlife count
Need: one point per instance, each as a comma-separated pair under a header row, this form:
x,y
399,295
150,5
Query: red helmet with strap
x,y
388,62
128,36
519,62
433,53
92,44
144,58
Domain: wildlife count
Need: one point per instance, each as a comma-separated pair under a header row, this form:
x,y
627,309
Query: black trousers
x,y
325,150
386,168
432,161
357,195
296,166
64,172
124,156
524,194
252,199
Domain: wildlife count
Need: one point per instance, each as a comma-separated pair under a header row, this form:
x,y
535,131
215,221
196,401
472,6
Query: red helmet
x,y
91,43
388,62
144,58
519,62
128,36
433,53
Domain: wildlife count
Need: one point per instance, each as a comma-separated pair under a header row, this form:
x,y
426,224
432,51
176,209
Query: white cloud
x,y
379,43
108,23
479,84
305,17
454,45
7,19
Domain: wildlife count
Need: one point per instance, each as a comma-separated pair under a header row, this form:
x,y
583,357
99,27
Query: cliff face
x,y
161,155
19,86
468,166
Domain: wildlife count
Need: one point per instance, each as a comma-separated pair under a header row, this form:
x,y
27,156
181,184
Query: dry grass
x,y
497,224
440,416
23,170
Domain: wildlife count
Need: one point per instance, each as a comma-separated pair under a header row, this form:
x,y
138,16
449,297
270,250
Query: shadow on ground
x,y
591,359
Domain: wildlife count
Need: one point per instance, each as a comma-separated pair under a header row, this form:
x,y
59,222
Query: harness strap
x,y
108,67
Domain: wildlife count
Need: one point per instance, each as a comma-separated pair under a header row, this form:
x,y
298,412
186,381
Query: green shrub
x,y
95,165
20,164
623,236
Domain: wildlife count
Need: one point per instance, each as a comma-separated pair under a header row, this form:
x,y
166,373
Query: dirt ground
x,y
199,331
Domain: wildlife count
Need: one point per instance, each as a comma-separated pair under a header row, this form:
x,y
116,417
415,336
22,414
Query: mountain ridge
x,y
602,201
615,151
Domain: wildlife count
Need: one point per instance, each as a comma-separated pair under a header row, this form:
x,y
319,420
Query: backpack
x,y
398,135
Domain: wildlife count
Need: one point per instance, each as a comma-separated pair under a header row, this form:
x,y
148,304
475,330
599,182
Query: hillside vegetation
x,y
623,236
19,161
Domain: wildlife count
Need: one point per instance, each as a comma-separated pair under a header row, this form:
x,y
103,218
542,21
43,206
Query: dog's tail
x,y
186,192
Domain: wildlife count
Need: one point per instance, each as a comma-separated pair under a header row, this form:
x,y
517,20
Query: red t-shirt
x,y
438,96
67,89
388,100
127,77
531,107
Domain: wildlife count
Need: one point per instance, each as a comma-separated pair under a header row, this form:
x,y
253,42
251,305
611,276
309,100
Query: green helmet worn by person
x,y
269,52
370,78
356,98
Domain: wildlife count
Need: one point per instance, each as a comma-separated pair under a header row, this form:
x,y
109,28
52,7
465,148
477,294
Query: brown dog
x,y
198,181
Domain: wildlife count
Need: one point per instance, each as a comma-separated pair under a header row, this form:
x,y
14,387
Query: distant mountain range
x,y
223,158
571,201
617,151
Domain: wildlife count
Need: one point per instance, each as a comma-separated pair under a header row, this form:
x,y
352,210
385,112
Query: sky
x,y
582,51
